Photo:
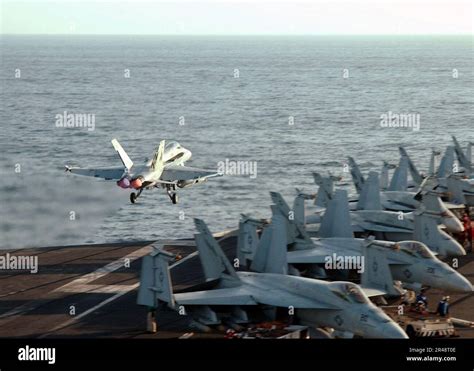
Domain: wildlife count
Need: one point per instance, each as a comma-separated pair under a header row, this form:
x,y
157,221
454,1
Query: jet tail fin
x,y
247,240
384,183
298,210
157,162
213,260
415,174
337,220
370,196
377,274
455,190
464,160
399,180
325,190
127,162
446,165
292,220
271,253
155,280
356,174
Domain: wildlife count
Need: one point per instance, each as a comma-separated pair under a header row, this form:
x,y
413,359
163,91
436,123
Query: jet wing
x,y
174,173
113,173
227,296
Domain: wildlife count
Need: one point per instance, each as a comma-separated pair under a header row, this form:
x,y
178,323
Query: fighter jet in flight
x,y
410,262
165,170
339,305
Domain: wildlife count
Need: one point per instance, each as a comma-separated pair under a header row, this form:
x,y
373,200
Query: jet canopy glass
x,y
349,291
172,145
417,248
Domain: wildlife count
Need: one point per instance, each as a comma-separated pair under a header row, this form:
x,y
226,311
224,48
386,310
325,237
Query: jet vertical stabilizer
x,y
127,162
325,190
370,196
247,240
399,180
337,220
464,160
377,274
356,174
415,174
155,280
446,165
271,253
214,263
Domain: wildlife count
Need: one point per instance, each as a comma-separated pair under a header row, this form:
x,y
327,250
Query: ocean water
x,y
240,118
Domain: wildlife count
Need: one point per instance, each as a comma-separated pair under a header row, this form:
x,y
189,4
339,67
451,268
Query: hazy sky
x,y
238,17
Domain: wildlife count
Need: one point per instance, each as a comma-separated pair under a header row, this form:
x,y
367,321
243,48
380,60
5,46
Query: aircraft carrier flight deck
x,y
90,291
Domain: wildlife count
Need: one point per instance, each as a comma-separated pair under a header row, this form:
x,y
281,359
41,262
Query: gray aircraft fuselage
x,y
409,261
351,310
139,175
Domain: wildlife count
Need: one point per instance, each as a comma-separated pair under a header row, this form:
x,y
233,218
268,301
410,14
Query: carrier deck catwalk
x,y
99,282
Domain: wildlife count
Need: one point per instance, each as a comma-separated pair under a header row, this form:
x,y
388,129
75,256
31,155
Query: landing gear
x,y
172,195
134,196
174,198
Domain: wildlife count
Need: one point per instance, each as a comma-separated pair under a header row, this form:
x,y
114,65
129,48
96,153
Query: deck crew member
x,y
443,307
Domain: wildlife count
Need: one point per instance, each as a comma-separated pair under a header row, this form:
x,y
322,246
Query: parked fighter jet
x,y
454,186
166,169
385,262
340,305
399,226
396,196
390,198
324,195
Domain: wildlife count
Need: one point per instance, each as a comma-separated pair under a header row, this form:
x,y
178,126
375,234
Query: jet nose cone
x,y
454,248
391,330
453,225
459,283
